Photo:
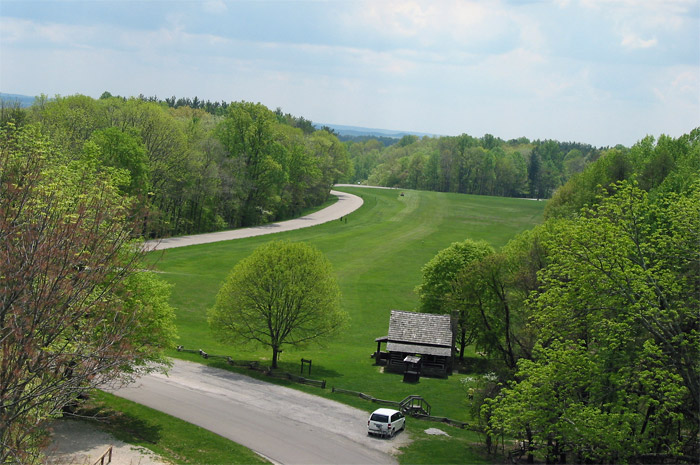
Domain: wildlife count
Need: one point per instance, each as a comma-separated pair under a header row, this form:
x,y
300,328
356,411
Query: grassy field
x,y
377,255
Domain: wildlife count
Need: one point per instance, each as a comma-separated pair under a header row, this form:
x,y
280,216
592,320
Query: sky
x,y
602,72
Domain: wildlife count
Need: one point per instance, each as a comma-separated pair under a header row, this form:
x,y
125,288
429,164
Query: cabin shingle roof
x,y
420,329
418,349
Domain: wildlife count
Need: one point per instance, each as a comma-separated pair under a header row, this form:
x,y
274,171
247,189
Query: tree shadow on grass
x,y
474,365
121,425
318,372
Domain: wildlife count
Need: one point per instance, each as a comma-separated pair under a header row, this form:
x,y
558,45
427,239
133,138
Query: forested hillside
x,y
590,321
196,183
659,166
192,171
469,165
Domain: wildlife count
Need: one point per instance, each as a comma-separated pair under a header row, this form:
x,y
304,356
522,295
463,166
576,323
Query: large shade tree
x,y
284,293
75,311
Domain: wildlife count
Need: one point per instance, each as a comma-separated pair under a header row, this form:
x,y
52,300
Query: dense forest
x,y
470,165
590,321
200,166
193,171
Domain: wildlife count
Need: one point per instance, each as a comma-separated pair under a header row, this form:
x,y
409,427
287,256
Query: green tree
x,y
620,293
330,156
124,150
248,134
491,294
284,293
75,310
439,275
534,175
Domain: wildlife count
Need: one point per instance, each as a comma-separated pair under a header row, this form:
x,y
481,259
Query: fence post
x,y
303,361
101,460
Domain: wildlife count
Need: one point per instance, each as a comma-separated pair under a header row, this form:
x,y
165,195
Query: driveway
x,y
285,425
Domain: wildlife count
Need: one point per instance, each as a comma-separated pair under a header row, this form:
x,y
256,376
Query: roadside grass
x,y
173,439
458,447
377,256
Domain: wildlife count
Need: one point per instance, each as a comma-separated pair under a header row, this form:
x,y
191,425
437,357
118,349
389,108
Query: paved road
x,y
346,204
286,426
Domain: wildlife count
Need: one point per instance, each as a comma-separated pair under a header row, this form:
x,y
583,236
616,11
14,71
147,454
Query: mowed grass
x,y
171,438
377,256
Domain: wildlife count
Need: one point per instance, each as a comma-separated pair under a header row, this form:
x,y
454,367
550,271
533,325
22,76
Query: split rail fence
x,y
255,366
414,406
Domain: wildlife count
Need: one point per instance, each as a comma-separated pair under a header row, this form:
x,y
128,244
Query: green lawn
x,y
171,438
377,255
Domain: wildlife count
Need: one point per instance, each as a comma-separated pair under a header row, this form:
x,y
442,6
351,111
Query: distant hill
x,y
355,131
24,100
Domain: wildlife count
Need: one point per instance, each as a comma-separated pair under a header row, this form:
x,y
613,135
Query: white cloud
x,y
396,18
588,70
21,31
679,85
633,41
635,19
444,24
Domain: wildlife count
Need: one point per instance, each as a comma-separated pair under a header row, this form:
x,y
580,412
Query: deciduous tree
x,y
74,312
437,289
619,296
284,293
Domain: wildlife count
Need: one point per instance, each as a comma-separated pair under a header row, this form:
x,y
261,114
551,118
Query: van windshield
x,y
380,418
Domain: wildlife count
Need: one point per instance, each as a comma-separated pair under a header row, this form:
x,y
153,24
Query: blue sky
x,y
603,72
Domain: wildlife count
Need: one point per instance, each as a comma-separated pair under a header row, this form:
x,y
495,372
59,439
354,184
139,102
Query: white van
x,y
385,422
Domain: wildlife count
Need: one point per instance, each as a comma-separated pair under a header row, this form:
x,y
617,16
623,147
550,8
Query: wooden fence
x,y
254,365
364,396
414,406
106,456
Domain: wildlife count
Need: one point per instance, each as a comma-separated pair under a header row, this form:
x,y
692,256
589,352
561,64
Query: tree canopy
x,y
284,293
590,321
470,165
437,289
76,311
617,362
193,169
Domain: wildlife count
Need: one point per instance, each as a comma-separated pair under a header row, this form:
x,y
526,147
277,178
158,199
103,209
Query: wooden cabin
x,y
417,342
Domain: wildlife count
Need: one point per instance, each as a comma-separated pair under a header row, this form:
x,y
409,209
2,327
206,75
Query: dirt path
x,y
76,442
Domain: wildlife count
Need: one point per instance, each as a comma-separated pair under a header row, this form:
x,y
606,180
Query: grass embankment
x,y
171,438
377,255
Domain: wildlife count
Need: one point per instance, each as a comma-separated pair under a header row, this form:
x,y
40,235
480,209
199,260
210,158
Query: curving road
x,y
346,204
284,425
